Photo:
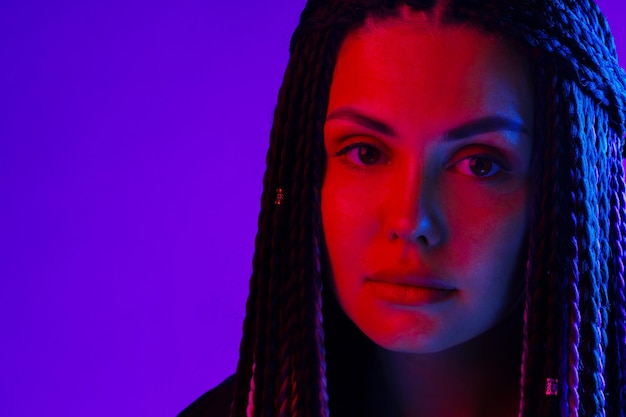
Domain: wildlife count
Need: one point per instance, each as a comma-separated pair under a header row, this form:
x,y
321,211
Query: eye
x,y
363,154
477,166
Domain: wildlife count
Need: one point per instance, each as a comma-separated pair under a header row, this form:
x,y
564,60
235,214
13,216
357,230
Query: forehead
x,y
412,65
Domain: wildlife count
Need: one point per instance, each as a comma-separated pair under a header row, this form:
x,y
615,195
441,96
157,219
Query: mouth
x,y
409,291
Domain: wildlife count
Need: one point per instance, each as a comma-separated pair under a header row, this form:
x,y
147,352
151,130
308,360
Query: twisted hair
x,y
575,307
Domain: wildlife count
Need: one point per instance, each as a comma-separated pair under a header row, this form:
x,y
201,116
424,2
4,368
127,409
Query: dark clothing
x,y
348,352
214,403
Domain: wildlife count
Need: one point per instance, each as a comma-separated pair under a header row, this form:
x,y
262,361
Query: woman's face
x,y
425,201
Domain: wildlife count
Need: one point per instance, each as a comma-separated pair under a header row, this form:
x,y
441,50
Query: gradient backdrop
x,y
132,146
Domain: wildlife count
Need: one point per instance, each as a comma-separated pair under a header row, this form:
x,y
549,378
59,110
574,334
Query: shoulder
x,y
214,403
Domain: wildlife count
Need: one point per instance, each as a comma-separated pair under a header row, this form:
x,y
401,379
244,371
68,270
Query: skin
x,y
425,205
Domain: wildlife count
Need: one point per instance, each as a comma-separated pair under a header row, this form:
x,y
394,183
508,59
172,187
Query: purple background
x,y
132,145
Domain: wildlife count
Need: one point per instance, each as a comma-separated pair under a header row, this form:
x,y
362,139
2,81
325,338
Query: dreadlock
x,y
575,307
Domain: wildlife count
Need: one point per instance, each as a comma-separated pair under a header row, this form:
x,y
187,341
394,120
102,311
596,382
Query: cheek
x,y
349,214
489,231
349,220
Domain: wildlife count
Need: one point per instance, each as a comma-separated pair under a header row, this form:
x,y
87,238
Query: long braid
x,y
291,291
570,315
601,133
538,263
280,256
566,263
573,335
590,349
571,398
318,165
253,337
556,251
617,285
254,351
599,130
304,400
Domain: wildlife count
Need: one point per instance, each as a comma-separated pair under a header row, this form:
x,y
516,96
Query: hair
x,y
575,309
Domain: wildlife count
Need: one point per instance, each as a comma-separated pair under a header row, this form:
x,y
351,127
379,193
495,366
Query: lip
x,y
408,288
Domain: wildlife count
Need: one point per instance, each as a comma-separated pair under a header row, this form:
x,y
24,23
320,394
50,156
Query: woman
x,y
442,220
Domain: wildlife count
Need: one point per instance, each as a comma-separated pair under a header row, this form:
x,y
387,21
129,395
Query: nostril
x,y
403,229
423,232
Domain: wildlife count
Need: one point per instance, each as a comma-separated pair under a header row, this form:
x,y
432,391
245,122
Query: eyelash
x,y
462,160
458,164
358,146
494,166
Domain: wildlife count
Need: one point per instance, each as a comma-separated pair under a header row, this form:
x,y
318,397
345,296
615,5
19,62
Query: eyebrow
x,y
476,127
485,125
363,120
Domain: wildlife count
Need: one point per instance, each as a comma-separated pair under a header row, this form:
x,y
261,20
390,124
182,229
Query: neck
x,y
477,378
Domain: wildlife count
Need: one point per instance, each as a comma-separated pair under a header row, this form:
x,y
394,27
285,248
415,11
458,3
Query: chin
x,y
421,336
424,337
418,345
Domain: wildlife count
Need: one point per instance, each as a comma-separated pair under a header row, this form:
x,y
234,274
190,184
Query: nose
x,y
413,214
